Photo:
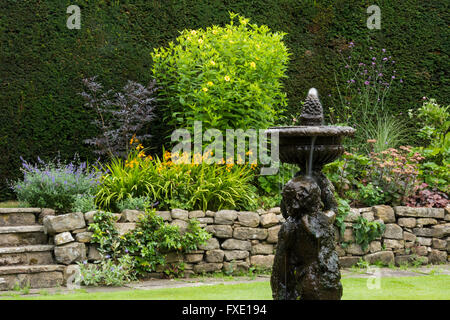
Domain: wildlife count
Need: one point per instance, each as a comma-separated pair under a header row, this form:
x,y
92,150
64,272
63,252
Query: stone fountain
x,y
306,264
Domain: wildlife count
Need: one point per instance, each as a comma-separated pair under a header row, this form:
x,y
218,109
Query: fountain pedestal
x,y
306,264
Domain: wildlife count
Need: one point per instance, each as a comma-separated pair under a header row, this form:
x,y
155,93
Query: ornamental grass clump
x,y
226,77
55,185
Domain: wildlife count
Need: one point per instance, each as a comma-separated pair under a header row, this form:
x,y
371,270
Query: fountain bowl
x,y
295,144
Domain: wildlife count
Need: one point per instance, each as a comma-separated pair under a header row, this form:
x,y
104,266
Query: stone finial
x,y
312,112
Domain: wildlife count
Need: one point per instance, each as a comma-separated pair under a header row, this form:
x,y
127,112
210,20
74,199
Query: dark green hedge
x,y
42,62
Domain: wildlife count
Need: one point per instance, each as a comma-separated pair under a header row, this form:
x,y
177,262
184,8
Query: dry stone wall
x,y
244,239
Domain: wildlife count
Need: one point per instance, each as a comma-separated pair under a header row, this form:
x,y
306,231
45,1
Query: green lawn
x,y
432,287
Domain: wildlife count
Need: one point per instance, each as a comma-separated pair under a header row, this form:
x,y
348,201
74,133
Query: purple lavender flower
x,y
373,58
384,50
366,83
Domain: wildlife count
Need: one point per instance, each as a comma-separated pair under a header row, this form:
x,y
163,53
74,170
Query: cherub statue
x,y
306,264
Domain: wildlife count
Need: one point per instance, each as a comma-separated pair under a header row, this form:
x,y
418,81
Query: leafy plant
x,y
426,197
139,203
370,195
55,184
343,211
119,115
84,203
108,272
220,75
366,231
383,133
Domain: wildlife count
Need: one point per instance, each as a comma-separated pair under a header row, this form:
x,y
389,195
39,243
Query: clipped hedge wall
x,y
42,62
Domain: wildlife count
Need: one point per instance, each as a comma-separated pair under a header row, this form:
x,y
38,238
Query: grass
x,y
431,287
9,204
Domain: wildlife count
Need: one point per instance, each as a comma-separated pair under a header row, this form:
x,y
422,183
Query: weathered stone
x,y
276,210
63,238
123,228
269,220
220,231
193,257
214,256
180,214
368,215
181,224
244,233
385,213
423,241
437,213
129,215
385,257
225,217
80,230
437,256
426,221
196,214
261,211
393,231
64,222
17,219
429,232
394,244
45,212
233,244
330,216
439,244
69,253
420,250
272,234
89,216
407,222
355,249
341,252
262,248
231,255
26,255
84,237
207,267
71,272
210,213
352,216
444,228
375,246
235,266
347,262
174,257
94,254
166,215
248,219
265,262
210,244
404,259
348,235
206,220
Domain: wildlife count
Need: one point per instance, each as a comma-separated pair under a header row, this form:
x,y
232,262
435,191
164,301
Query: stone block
x,y
63,238
123,228
166,215
64,222
129,215
70,253
231,255
352,216
265,262
426,221
196,214
437,257
214,255
248,219
207,267
394,244
368,215
235,266
428,232
93,253
206,220
233,244
348,235
423,241
420,250
245,233
407,236
439,244
347,262
393,231
220,231
210,244
375,246
45,212
407,222
181,224
180,214
385,257
272,234
269,220
84,237
225,217
263,248
384,213
437,213
355,249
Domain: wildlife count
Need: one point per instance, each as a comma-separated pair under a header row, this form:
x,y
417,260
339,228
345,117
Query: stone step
x,y
26,255
17,217
38,276
22,235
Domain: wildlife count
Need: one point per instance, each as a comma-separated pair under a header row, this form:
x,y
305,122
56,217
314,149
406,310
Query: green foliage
x,y
84,203
185,186
149,243
370,195
221,75
385,131
108,272
343,211
366,231
139,203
